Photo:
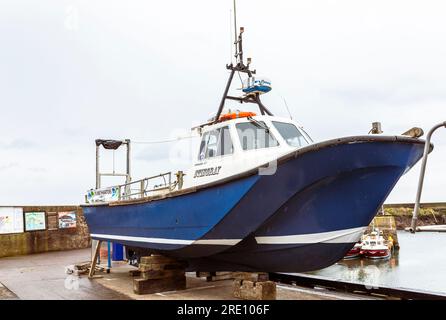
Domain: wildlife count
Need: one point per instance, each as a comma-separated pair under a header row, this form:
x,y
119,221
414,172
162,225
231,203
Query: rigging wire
x,y
286,105
241,81
165,140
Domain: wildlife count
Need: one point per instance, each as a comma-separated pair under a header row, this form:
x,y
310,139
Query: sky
x,y
73,71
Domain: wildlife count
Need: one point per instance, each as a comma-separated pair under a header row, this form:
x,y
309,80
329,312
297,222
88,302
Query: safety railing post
x,y
142,188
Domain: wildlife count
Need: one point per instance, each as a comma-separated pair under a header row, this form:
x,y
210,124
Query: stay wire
x,y
165,140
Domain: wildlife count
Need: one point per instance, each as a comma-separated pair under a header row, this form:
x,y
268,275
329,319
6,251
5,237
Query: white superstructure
x,y
234,146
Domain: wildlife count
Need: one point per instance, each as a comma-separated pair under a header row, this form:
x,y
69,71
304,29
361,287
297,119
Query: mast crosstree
x,y
240,66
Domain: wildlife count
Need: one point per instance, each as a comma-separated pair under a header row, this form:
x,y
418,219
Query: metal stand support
x,y
108,255
422,172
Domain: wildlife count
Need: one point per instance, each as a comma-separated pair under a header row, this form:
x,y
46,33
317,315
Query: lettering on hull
x,y
207,172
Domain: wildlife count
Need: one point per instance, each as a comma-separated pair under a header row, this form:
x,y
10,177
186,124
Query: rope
x,y
241,81
165,140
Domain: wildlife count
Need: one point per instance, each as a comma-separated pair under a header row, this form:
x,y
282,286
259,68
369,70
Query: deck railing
x,y
158,184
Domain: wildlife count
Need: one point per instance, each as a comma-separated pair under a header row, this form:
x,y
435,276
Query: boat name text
x,y
207,172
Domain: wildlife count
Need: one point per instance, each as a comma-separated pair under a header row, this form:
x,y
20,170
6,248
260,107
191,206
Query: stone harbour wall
x,y
58,232
430,214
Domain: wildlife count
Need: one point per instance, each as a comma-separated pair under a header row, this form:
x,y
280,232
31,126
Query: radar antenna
x,y
240,66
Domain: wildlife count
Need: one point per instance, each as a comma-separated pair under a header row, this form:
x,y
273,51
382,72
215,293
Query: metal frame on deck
x,y
112,145
108,145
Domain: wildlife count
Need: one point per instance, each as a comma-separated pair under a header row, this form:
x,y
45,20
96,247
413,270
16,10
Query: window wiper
x,y
261,125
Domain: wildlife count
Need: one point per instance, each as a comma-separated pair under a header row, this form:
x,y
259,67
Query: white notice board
x,y
11,220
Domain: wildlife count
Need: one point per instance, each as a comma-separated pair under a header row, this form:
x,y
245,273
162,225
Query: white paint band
x,y
338,236
228,242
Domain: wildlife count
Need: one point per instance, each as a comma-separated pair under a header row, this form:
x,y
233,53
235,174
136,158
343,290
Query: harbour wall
x,y
32,229
430,214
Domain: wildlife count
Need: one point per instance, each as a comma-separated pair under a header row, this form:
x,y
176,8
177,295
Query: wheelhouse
x,y
233,146
247,134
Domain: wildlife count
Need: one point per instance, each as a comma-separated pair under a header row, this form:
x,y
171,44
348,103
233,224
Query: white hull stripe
x,y
338,236
228,242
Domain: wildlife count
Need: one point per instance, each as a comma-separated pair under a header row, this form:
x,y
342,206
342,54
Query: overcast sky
x,y
73,71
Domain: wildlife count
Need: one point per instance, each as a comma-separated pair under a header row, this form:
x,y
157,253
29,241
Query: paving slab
x,y
43,276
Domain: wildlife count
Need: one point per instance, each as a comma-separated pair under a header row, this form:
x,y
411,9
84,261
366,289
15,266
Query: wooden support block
x,y
178,265
134,273
216,276
251,290
161,274
252,276
200,274
157,259
143,286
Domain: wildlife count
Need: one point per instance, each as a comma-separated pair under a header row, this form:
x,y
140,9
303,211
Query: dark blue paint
x,y
186,217
286,259
349,198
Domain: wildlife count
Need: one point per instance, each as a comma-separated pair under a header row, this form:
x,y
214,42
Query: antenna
x,y
239,66
286,105
230,35
235,32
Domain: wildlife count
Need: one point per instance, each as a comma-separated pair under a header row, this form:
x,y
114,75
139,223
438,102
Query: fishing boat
x,y
374,246
261,195
354,252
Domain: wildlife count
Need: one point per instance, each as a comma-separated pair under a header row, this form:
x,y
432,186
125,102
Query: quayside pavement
x,y
43,276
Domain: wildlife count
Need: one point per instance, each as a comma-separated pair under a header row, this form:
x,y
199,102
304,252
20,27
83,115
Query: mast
x,y
240,66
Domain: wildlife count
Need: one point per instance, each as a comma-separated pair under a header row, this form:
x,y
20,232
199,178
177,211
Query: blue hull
x,y
294,239
173,224
304,217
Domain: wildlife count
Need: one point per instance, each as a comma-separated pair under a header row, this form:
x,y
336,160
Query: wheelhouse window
x,y
225,143
290,134
216,143
255,135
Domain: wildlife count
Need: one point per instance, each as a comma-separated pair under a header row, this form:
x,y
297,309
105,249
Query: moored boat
x,y
374,246
354,252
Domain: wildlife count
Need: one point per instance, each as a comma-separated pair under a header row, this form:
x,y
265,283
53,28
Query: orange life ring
x,y
235,115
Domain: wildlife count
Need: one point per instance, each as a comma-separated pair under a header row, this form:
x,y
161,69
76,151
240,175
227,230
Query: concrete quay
x,y
43,276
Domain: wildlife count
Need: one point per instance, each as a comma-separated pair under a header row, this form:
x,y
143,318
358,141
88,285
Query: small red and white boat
x,y
354,252
374,246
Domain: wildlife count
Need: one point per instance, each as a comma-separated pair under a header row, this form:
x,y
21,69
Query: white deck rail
x,y
154,185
